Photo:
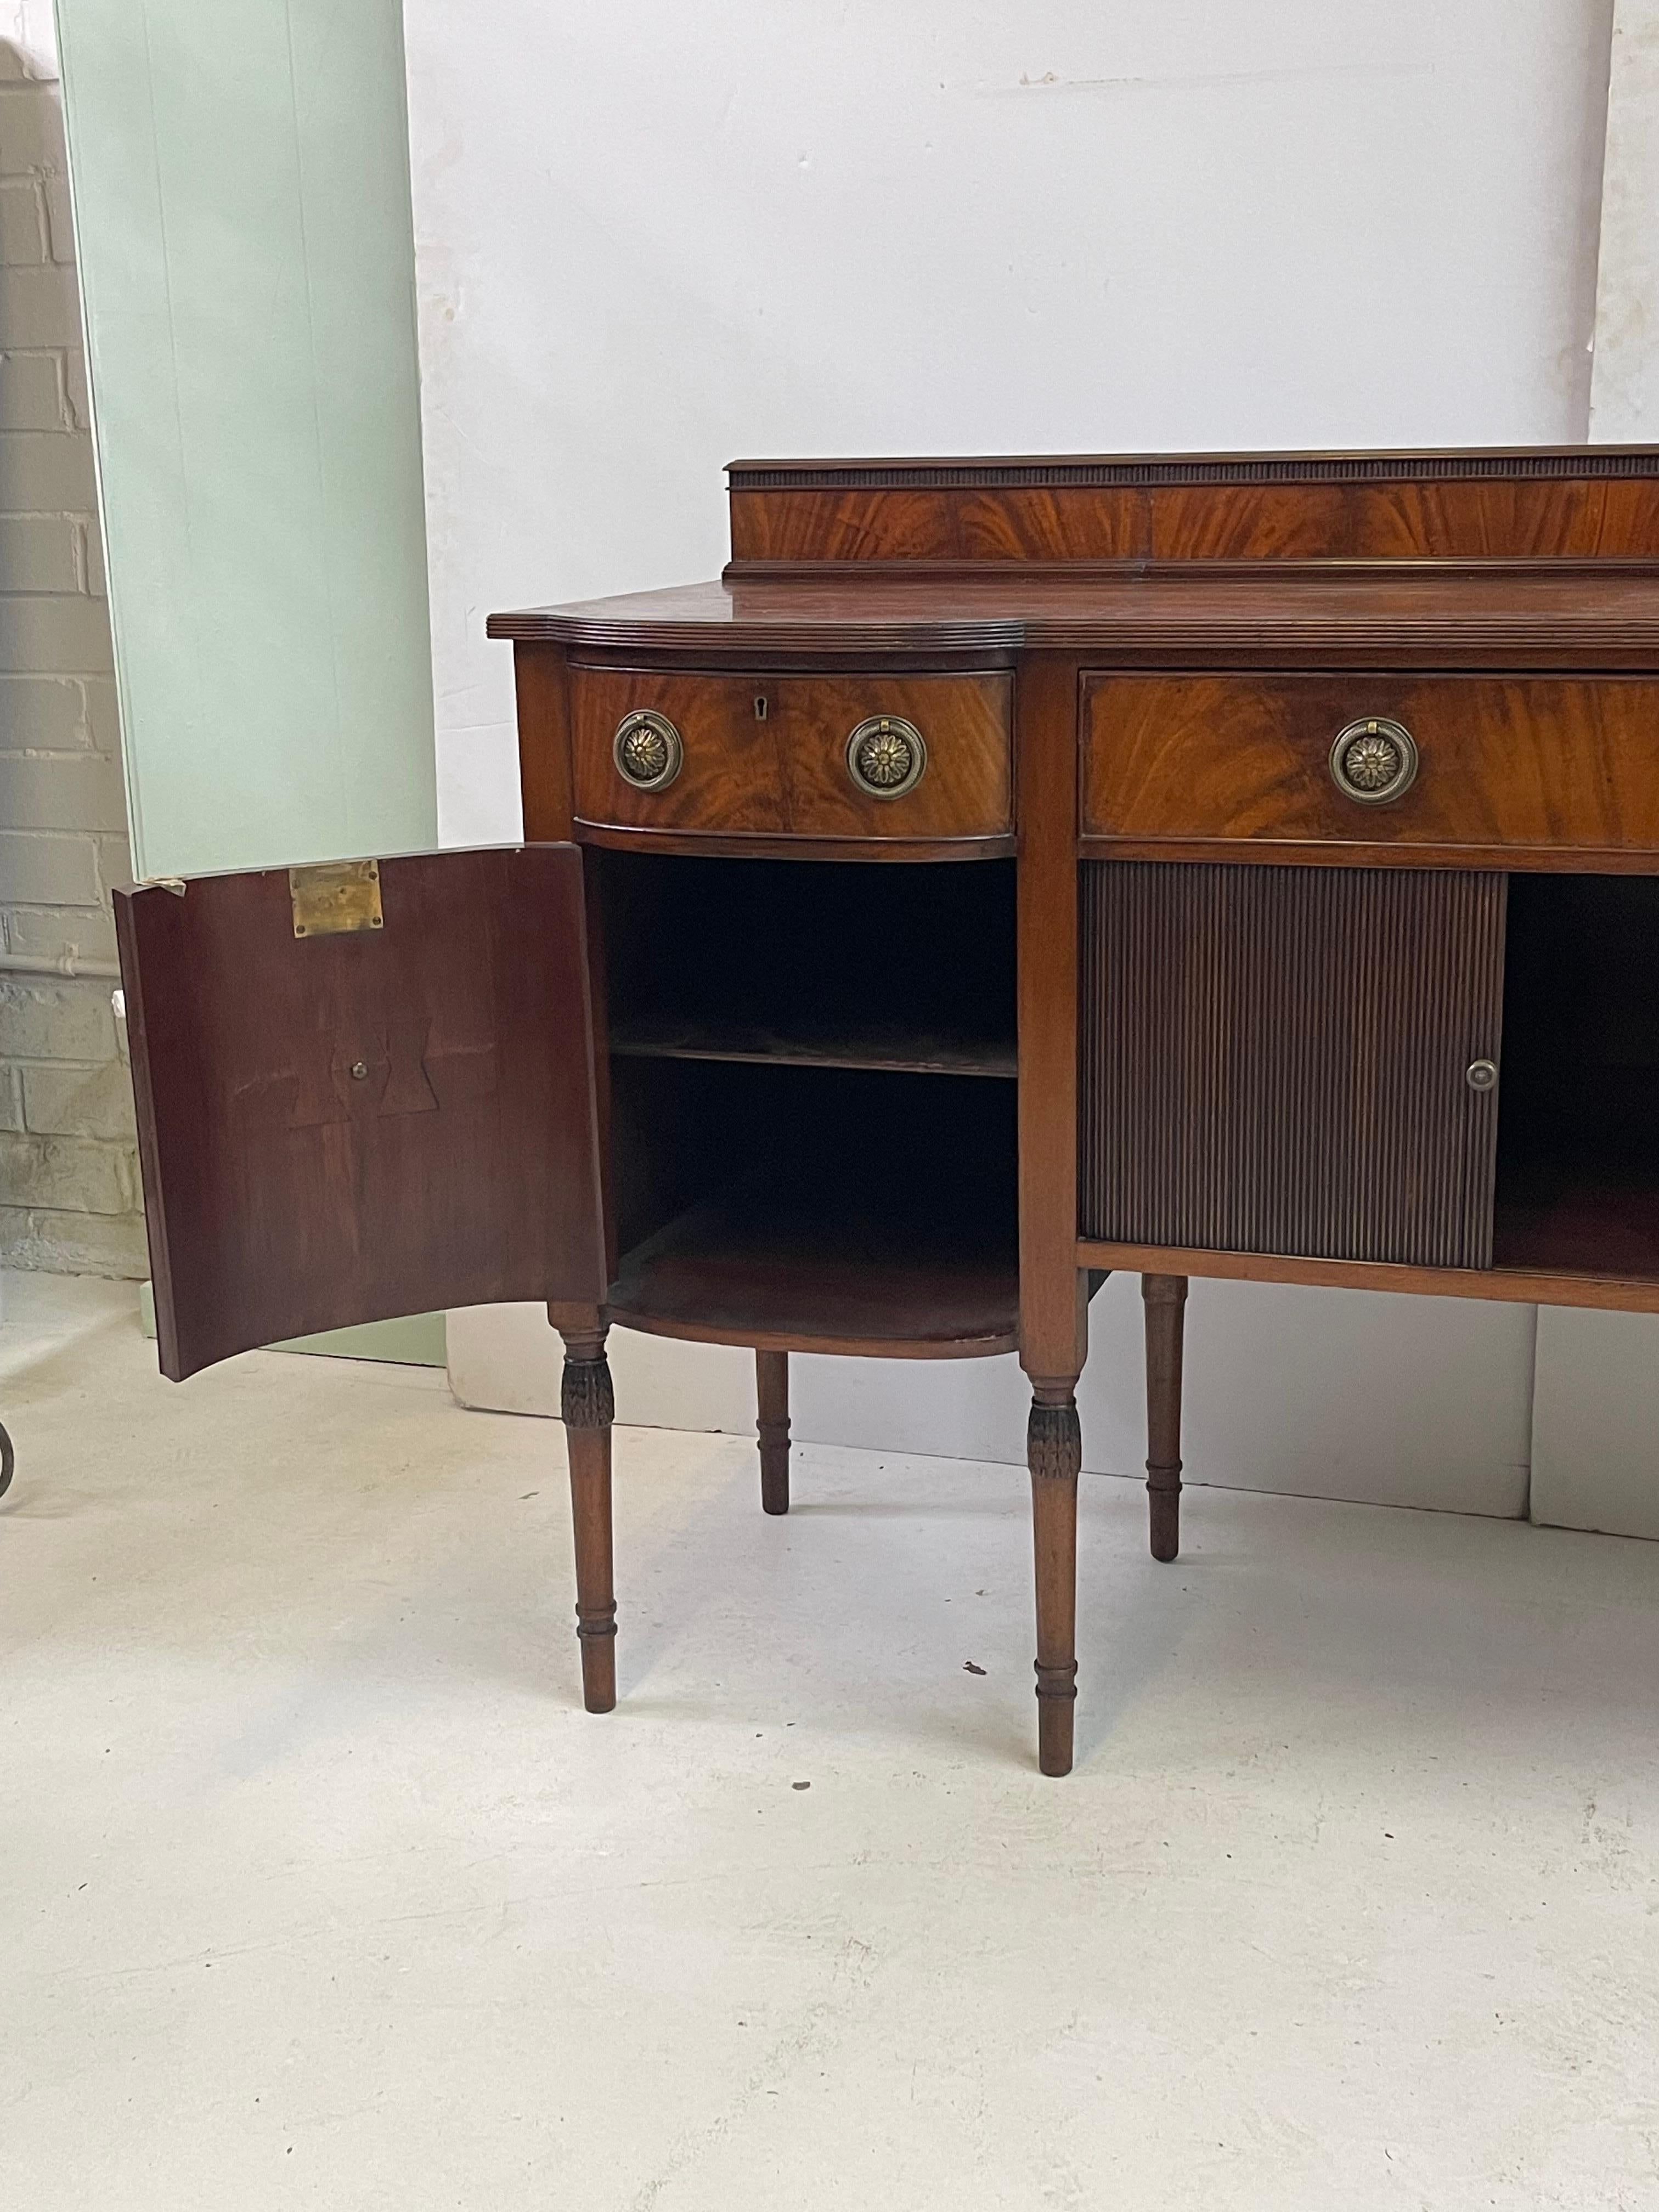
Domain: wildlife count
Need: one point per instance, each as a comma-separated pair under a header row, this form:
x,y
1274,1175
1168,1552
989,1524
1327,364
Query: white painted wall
x,y
1624,384
29,28
650,237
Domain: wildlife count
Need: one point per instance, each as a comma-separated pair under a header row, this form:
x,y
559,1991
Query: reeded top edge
x,y
1564,464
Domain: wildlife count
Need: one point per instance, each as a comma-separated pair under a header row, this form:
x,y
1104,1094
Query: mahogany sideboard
x,y
1008,872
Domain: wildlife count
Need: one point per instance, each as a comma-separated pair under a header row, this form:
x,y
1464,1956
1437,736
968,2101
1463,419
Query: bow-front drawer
x,y
893,759
1544,767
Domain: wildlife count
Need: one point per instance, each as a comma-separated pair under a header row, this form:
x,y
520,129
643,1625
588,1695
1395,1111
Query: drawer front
x,y
1292,1060
767,756
1501,764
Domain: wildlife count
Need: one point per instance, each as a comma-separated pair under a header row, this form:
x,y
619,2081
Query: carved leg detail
x,y
1166,1298
588,1408
772,1403
1055,1454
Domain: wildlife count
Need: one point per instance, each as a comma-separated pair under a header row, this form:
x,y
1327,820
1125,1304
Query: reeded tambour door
x,y
1302,1061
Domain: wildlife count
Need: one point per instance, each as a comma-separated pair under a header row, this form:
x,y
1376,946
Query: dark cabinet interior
x,y
812,1114
1578,1124
846,964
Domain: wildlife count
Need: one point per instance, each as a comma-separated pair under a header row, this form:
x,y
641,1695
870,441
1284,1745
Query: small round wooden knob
x,y
886,755
1481,1075
647,750
1375,761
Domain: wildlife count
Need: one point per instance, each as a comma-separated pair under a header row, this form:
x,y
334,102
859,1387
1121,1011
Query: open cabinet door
x,y
364,1088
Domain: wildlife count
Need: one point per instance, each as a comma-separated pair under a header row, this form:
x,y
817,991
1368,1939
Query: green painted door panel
x,y
240,180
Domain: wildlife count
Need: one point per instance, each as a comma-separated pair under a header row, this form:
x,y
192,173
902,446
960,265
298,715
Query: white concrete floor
x,y
317,1887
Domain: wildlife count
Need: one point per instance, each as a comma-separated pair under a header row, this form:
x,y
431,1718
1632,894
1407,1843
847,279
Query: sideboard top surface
x,y
1452,618
1466,558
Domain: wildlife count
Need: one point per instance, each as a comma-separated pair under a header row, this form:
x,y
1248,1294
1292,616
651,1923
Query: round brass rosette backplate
x,y
1375,761
885,756
647,750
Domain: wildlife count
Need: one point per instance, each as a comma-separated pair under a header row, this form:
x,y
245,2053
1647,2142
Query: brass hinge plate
x,y
335,897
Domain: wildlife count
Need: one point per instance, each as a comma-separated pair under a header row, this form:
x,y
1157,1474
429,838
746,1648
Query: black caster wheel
x,y
7,1459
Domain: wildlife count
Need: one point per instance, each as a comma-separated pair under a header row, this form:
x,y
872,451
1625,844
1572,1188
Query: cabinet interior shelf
x,y
892,1048
810,1154
778,1267
845,1208
1589,1225
882,965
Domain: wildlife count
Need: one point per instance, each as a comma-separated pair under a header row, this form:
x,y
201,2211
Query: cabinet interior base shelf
x,y
1588,1225
815,1272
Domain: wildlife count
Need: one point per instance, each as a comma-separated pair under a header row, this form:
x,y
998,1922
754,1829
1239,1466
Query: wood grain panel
x,y
967,789
787,775
1250,522
1066,522
1478,520
732,777
1571,764
1528,504
543,716
1274,1059
1493,519
1604,1292
353,1126
853,526
1053,1316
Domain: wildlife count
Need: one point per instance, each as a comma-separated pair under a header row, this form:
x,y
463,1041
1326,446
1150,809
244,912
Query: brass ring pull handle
x,y
886,755
647,750
1375,761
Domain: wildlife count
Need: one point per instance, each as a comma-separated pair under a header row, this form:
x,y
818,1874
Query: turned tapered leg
x,y
1166,1298
772,1408
588,1408
1053,1450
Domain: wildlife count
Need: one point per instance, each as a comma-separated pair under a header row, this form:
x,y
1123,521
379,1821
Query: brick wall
x,y
68,1172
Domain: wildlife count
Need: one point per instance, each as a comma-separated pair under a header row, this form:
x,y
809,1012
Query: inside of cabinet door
x,y
344,1117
